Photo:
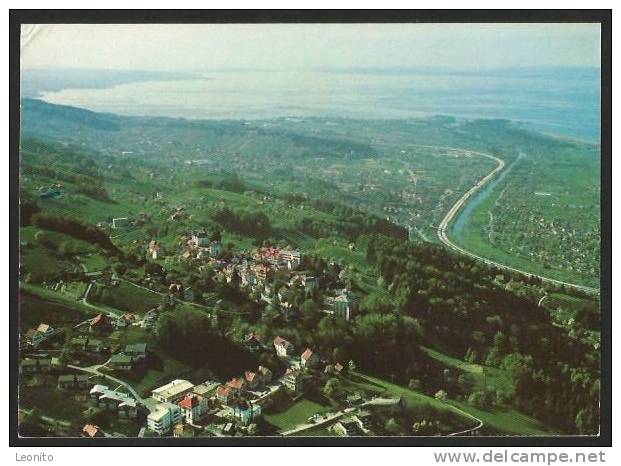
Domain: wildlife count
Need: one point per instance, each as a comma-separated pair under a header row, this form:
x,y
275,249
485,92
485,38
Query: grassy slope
x,y
509,421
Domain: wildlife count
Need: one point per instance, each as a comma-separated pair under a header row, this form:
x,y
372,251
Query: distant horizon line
x,y
469,69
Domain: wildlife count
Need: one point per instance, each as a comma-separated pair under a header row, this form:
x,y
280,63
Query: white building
x,y
120,222
165,416
283,347
291,257
193,407
172,391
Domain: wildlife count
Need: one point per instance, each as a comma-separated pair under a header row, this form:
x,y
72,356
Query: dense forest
x,y
556,377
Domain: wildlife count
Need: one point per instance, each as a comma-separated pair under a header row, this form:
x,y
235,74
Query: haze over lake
x,y
563,101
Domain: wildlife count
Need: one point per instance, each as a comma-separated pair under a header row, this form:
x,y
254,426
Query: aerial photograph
x,y
309,230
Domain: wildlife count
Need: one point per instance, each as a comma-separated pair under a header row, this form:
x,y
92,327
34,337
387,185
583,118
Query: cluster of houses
x,y
182,402
256,271
35,336
240,400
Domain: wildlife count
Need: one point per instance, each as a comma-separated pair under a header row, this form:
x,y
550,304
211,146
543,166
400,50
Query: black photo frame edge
x,y
603,17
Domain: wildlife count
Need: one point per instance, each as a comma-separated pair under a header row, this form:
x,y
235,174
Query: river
x,y
465,214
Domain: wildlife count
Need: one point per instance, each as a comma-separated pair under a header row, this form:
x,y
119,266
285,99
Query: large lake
x,y
557,101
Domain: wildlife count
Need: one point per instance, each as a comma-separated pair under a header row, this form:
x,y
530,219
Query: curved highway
x,y
450,215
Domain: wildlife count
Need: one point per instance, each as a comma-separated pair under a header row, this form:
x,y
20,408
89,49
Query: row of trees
x,y
75,228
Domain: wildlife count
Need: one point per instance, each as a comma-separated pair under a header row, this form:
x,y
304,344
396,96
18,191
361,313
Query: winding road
x,y
450,215
149,403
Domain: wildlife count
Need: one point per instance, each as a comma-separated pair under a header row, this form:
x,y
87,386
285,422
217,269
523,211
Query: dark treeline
x,y
350,223
229,182
75,228
98,193
203,345
245,222
457,304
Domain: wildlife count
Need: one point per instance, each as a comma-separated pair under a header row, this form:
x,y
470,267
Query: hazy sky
x,y
203,47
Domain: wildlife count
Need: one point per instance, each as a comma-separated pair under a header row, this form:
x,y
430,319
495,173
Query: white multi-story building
x,y
172,391
165,416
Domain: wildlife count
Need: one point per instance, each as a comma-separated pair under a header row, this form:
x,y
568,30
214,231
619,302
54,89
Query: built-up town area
x,y
97,374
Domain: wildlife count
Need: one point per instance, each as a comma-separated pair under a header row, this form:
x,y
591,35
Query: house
x,y
309,282
353,399
252,342
120,222
263,272
172,391
175,288
73,381
91,431
120,362
164,417
308,359
344,305
198,240
36,366
292,381
111,400
129,318
236,385
364,420
206,389
291,257
215,248
246,411
252,379
136,351
224,394
265,374
283,347
193,407
348,428
338,368
32,337
183,430
248,277
37,336
101,323
154,250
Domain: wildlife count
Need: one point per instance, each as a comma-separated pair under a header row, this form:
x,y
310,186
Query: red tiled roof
x,y
189,401
91,430
100,319
250,376
306,355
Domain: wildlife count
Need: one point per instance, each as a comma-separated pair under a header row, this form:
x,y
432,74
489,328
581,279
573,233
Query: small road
x,y
149,403
450,215
470,416
335,416
105,311
181,301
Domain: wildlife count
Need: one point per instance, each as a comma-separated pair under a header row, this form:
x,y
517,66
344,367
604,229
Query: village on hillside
x,y
94,365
